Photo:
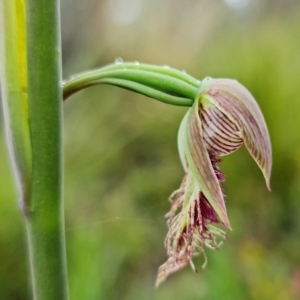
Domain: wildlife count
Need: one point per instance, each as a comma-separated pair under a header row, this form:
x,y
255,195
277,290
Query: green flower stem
x,y
161,83
14,92
45,221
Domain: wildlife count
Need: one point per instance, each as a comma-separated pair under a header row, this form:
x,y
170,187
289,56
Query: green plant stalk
x,y
14,93
159,82
45,221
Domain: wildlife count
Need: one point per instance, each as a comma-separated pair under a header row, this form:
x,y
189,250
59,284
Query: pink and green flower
x,y
223,117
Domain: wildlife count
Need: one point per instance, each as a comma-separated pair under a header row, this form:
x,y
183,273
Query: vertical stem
x,y
13,71
45,221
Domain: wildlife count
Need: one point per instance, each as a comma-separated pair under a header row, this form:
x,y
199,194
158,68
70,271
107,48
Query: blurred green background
x,y
121,160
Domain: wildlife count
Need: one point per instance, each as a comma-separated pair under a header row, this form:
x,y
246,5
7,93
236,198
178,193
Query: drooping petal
x,y
200,165
236,102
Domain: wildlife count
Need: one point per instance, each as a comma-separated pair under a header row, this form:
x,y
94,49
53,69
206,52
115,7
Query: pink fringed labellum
x,y
223,117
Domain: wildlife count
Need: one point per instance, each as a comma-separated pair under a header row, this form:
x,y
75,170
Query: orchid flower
x,y
223,117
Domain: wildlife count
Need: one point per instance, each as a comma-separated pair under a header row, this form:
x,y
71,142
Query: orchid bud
x,y
222,118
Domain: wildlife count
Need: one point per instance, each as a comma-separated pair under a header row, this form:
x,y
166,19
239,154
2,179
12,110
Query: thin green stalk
x,y
45,221
159,82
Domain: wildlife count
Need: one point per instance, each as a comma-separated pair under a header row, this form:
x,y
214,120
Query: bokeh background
x,y
121,160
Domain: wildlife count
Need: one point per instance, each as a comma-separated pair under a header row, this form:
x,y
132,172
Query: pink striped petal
x,y
200,165
236,102
220,134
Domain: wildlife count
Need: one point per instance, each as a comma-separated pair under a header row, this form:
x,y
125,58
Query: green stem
x,y
162,83
14,92
45,221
